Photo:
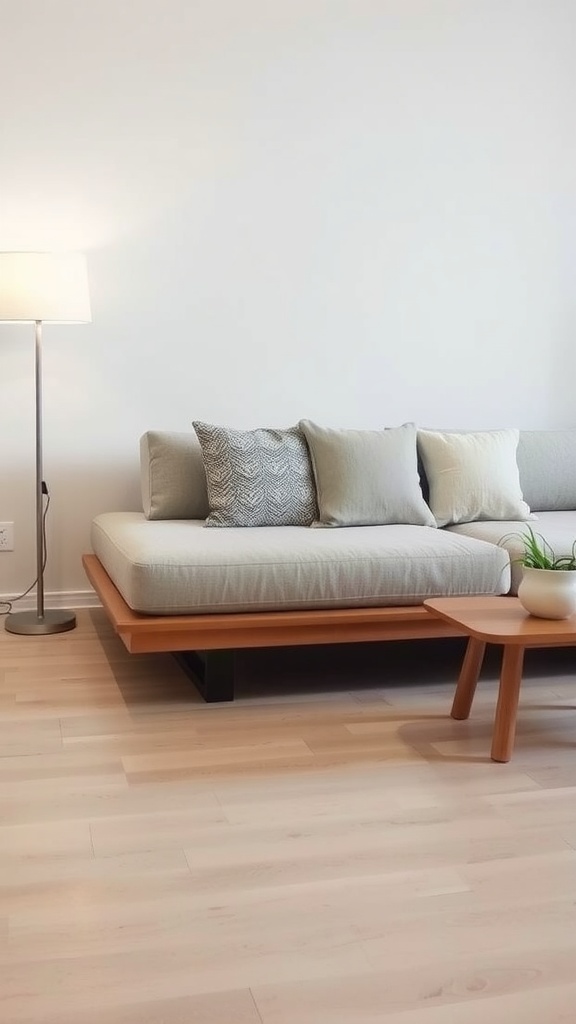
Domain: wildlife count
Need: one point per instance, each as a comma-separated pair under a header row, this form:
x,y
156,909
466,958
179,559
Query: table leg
x,y
468,678
508,694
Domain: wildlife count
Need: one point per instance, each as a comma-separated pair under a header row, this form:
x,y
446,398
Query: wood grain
x,y
333,847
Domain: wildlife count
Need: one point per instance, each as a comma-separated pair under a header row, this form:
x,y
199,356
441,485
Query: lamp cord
x,y
8,604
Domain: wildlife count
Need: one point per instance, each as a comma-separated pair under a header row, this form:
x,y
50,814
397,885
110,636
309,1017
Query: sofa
x,y
341,536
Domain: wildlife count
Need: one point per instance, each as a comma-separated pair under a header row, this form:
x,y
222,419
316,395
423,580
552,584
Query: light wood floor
x,y
330,848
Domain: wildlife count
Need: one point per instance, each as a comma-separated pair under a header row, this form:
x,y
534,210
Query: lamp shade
x,y
44,286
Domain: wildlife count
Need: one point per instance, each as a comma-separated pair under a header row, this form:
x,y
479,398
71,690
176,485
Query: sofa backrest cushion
x,y
172,476
547,465
174,481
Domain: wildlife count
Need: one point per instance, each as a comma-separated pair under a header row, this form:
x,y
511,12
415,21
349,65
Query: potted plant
x,y
548,585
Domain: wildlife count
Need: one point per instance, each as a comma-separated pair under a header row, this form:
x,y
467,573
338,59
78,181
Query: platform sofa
x,y
358,570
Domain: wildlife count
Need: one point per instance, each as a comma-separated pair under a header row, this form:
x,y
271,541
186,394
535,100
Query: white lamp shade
x,y
44,286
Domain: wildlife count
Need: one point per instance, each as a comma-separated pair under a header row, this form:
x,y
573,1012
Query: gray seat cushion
x,y
558,528
179,567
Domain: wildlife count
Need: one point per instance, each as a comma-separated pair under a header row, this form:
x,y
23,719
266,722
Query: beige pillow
x,y
366,477
473,476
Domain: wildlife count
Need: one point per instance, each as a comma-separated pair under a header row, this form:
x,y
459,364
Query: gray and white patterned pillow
x,y
257,477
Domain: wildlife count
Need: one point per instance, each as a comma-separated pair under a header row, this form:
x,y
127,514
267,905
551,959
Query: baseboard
x,y
55,599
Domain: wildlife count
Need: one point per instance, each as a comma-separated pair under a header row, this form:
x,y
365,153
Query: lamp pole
x,y
41,621
40,287
39,475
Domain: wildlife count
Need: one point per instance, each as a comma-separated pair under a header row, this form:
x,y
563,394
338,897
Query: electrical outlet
x,y
6,536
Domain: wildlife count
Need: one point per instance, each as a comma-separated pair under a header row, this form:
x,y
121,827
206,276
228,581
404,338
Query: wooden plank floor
x,y
330,848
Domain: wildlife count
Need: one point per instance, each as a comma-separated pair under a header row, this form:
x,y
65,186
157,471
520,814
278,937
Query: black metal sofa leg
x,y
212,672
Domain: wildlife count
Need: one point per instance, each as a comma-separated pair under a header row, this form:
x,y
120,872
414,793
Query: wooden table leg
x,y
508,695
468,678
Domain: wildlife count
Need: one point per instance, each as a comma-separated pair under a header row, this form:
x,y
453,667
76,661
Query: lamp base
x,y
31,624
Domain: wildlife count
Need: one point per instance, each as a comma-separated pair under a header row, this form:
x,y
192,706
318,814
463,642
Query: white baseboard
x,y
55,599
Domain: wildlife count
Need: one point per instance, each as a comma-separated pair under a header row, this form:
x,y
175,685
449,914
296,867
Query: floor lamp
x,y
42,287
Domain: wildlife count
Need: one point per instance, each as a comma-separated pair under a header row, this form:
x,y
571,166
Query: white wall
x,y
360,211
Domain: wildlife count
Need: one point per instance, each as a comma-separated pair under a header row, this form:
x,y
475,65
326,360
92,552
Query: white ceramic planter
x,y
548,593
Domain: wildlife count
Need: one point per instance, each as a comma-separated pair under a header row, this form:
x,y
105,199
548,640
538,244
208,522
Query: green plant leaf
x,y
539,554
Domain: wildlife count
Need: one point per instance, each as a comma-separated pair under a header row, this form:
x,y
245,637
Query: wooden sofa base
x,y
188,635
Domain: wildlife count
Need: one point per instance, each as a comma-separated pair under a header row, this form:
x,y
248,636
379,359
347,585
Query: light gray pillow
x,y
257,477
366,477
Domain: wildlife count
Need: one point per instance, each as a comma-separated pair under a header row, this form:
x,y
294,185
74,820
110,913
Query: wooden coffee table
x,y
498,620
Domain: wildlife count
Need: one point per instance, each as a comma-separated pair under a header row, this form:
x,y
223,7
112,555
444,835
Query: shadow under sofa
x,y
168,584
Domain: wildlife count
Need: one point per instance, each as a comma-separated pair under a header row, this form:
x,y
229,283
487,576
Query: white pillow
x,y
473,476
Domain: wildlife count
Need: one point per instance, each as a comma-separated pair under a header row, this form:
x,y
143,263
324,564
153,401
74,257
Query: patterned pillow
x,y
257,477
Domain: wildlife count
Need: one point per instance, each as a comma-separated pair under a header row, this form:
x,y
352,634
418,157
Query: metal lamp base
x,y
30,623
